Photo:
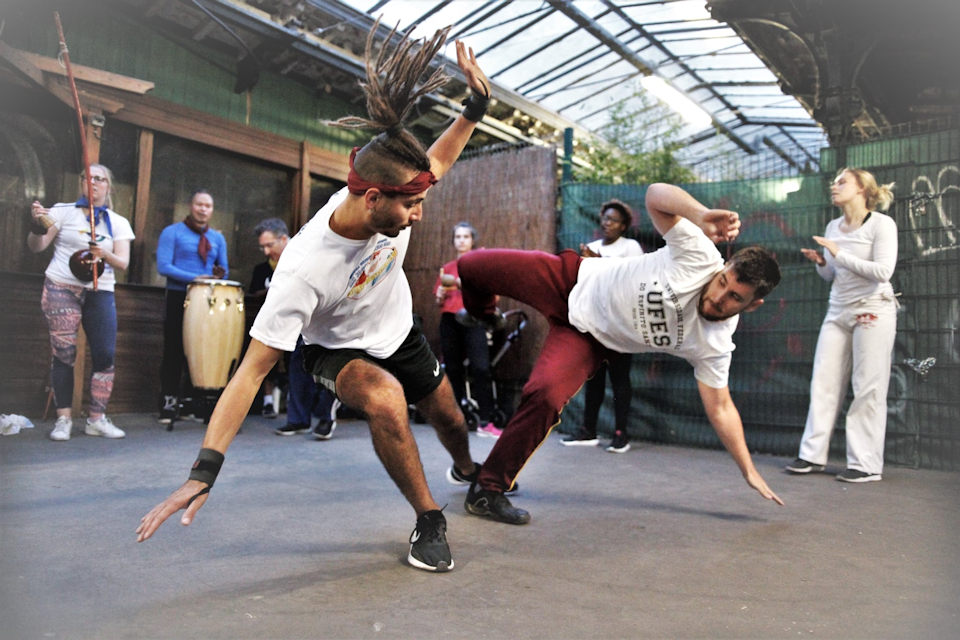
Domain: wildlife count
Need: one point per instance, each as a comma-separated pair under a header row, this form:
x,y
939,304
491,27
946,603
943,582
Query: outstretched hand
x,y
188,497
829,245
720,225
813,256
467,62
758,483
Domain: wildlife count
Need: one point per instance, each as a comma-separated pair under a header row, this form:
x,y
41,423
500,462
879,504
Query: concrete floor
x,y
307,539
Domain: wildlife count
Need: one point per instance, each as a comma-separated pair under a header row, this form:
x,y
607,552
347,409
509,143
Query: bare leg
x,y
441,410
380,397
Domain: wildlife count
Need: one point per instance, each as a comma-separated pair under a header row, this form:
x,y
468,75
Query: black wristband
x,y
474,107
37,229
207,466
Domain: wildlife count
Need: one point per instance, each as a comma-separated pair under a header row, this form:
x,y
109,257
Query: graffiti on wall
x,y
932,228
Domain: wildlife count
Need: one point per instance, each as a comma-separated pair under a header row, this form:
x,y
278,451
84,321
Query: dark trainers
x,y
455,477
581,438
269,411
290,429
620,443
324,429
855,475
802,466
169,410
428,543
494,505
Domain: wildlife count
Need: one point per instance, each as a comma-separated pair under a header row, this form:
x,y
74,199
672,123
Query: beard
x,y
702,310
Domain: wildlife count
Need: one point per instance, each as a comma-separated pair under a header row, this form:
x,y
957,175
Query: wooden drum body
x,y
213,322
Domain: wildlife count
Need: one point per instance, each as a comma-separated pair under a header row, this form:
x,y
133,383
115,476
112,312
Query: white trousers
x,y
855,344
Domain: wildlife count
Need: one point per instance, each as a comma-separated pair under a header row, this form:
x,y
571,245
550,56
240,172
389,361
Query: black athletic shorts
x,y
413,364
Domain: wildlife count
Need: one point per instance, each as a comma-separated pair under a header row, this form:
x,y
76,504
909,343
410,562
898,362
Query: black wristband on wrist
x,y
474,107
207,466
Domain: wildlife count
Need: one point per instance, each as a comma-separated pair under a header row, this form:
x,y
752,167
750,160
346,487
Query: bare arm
x,y
726,422
227,417
446,149
667,203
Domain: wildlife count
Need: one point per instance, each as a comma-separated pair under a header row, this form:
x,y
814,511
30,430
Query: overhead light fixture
x,y
686,108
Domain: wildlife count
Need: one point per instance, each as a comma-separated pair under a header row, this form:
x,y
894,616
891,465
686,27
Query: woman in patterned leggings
x,y
69,302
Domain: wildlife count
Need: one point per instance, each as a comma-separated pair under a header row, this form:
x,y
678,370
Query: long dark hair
x,y
391,91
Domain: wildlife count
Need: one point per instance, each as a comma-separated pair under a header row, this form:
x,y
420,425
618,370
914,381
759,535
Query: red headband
x,y
358,186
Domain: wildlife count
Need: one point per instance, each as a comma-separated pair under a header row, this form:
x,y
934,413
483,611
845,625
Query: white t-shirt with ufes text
x,y
649,303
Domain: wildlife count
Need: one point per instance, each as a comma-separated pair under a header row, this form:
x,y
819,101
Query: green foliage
x,y
636,148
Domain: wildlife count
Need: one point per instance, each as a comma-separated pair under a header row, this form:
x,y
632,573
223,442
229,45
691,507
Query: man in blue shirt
x,y
186,250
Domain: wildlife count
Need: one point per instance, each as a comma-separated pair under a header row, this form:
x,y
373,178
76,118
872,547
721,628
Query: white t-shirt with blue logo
x,y
336,292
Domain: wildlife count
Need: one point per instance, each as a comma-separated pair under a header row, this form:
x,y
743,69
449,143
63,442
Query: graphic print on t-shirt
x,y
654,316
372,270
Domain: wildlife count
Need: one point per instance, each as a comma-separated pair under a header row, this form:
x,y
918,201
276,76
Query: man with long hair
x,y
340,283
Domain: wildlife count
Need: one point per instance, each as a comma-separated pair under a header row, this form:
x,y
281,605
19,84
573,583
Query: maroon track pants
x,y
543,281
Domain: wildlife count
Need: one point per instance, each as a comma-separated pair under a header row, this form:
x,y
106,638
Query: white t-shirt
x,y
619,248
336,292
74,234
865,261
649,303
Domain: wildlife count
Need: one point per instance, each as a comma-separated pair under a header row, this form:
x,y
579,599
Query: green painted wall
x,y
185,73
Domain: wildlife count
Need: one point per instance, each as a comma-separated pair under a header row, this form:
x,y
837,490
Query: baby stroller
x,y
500,343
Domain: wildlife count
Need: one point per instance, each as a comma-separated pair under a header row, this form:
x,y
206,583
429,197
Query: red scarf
x,y
203,247
358,186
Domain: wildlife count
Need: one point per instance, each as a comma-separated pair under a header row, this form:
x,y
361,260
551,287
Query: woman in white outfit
x,y
856,339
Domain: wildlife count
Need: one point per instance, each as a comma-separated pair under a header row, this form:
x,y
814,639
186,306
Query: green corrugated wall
x,y
98,39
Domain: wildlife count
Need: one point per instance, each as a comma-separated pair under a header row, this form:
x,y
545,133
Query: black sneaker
x,y
324,429
581,438
169,410
269,411
620,443
455,477
855,475
428,543
290,429
802,466
494,505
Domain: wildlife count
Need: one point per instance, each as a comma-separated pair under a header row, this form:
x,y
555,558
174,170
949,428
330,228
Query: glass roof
x,y
579,58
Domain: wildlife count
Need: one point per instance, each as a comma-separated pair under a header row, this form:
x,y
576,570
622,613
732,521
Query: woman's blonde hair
x,y
877,197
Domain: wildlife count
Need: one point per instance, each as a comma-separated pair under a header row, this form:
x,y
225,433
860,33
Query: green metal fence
x,y
772,364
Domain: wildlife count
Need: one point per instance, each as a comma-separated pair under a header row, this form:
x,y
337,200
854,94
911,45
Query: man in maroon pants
x,y
682,299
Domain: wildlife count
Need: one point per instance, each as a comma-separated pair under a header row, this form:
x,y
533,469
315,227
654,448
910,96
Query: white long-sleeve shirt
x,y
865,259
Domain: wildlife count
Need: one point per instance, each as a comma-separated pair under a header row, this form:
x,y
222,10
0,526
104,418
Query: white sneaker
x,y
103,427
61,429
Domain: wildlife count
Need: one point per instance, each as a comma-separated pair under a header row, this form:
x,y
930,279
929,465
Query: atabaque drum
x,y
213,323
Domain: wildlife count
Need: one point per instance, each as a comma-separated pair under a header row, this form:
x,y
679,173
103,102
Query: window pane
x,y
244,193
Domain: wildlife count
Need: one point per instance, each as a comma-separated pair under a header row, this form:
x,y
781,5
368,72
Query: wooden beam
x,y
141,204
302,184
19,61
80,72
60,88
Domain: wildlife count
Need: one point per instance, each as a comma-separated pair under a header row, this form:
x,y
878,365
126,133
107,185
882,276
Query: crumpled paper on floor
x,y
11,424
